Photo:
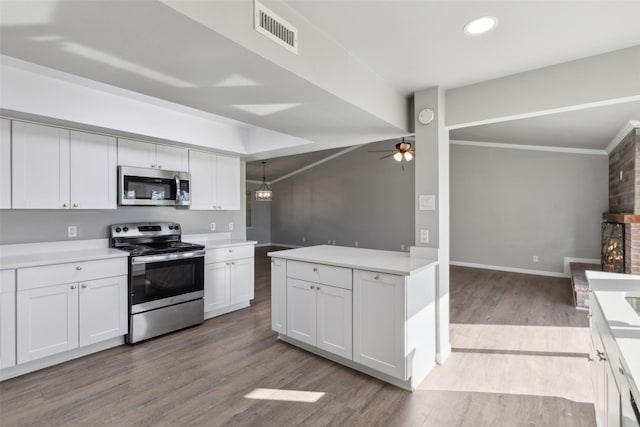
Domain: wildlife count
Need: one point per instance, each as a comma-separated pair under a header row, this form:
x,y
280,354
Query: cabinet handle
x,y
621,370
79,268
159,166
75,205
313,287
153,166
84,286
315,269
64,205
318,287
73,286
219,207
601,356
230,250
376,278
233,262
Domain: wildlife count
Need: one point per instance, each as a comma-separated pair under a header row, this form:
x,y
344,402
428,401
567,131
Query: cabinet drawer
x,y
228,253
319,273
37,277
372,276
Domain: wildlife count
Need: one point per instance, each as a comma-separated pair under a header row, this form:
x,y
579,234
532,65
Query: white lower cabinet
x,y
279,295
7,318
228,279
84,309
378,322
606,394
320,315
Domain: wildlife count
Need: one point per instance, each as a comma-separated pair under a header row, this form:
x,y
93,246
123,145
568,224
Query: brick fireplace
x,y
621,225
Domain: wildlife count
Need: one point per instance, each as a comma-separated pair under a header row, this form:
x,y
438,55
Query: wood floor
x,y
510,367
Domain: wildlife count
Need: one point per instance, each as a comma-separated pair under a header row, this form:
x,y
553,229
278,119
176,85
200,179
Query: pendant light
x,y
263,193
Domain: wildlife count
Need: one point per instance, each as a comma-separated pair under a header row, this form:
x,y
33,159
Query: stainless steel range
x,y
166,278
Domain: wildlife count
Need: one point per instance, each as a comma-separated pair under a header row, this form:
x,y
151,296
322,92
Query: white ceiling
x,y
158,49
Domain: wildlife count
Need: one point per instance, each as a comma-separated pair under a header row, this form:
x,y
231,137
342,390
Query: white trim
x,y
509,269
622,133
568,260
319,162
531,147
544,112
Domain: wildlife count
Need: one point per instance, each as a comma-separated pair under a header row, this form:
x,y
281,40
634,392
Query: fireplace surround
x,y
620,243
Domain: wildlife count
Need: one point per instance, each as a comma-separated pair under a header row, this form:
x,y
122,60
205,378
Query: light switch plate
x,y
213,226
72,231
427,202
230,226
424,236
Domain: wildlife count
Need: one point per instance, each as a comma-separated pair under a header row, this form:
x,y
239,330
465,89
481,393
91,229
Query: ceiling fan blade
x,y
388,155
378,151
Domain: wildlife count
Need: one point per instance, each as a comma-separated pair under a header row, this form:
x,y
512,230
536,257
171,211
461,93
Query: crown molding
x,y
622,133
530,147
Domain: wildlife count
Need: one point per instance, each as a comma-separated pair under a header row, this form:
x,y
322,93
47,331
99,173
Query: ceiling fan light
x,y
408,156
397,157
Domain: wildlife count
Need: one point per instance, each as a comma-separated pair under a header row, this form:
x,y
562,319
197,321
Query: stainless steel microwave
x,y
153,187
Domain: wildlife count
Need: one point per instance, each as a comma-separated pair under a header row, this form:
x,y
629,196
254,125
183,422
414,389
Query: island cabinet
x,y
65,306
228,279
319,306
379,323
7,318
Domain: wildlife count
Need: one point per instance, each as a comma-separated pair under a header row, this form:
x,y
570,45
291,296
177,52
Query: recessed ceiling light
x,y
481,25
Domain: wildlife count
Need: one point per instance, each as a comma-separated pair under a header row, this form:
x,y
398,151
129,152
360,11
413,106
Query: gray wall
x,y
508,205
260,229
35,225
353,198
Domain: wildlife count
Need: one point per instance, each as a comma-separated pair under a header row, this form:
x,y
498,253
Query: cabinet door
x,y
612,398
103,309
202,168
93,171
279,295
241,280
301,311
136,153
47,321
5,164
335,320
217,286
7,318
172,158
378,322
228,183
40,173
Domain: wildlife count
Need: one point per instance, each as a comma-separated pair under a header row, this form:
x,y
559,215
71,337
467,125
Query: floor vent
x,y
277,29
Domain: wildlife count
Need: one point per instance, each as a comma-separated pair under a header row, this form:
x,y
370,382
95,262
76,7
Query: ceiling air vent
x,y
274,27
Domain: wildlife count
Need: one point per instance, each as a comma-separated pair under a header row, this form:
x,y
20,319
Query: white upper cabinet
x,y
40,167
215,181
149,155
5,164
228,182
93,171
54,168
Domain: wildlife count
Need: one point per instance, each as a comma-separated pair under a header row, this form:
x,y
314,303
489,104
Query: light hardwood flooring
x,y
519,359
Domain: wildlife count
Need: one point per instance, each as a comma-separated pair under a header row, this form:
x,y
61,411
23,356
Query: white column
x,y
432,178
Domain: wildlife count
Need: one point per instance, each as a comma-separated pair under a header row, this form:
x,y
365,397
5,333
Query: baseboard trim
x,y
509,269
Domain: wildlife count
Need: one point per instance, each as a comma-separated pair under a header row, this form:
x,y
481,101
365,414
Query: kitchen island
x,y
371,310
615,347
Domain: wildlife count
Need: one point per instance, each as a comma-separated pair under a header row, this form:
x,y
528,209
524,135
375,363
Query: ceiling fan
x,y
403,151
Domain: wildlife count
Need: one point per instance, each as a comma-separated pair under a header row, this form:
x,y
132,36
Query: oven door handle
x,y
177,178
148,259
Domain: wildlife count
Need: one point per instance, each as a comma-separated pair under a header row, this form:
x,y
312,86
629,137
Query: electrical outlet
x,y
230,226
329,241
424,236
72,231
333,242
402,247
213,226
535,258
356,244
304,239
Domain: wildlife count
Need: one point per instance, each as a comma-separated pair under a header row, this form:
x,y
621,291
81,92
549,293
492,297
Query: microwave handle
x,y
177,189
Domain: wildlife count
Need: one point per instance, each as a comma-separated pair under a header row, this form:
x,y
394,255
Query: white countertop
x,y
399,263
610,290
18,256
47,253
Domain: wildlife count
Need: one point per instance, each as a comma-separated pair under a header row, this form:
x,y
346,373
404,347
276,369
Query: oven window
x,y
158,280
142,188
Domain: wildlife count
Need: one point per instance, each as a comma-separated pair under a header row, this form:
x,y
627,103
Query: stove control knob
x,y
118,229
177,227
125,229
171,227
